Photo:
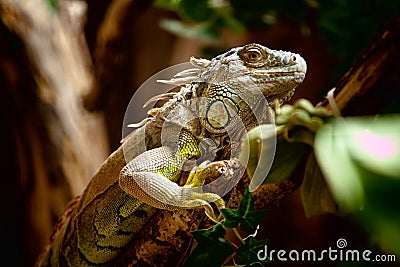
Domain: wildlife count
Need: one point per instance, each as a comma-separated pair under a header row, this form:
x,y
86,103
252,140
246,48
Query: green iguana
x,y
200,128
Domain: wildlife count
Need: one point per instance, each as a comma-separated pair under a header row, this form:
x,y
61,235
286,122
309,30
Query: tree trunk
x,y
52,144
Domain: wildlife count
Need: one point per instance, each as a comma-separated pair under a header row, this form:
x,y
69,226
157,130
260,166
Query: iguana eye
x,y
253,55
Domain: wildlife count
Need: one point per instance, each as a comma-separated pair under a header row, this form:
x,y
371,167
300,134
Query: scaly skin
x,y
226,97
218,101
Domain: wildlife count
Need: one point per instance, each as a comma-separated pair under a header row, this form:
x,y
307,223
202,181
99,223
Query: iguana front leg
x,y
153,175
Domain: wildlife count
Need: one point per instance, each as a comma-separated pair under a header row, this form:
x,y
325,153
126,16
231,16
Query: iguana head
x,y
236,83
275,73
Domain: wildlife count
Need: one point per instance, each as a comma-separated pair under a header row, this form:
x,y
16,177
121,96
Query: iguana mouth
x,y
282,97
271,76
278,85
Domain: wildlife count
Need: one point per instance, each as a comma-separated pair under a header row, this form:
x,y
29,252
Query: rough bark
x,y
372,84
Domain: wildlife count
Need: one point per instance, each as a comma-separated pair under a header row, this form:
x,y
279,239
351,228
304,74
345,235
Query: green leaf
x,y
381,213
206,237
245,216
250,218
248,253
315,194
375,144
212,248
337,166
288,157
232,217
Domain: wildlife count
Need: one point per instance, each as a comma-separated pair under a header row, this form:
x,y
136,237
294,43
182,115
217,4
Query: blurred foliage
x,y
348,25
359,158
354,169
53,4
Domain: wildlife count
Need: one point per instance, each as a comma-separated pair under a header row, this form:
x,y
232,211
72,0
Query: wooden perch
x,y
372,83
